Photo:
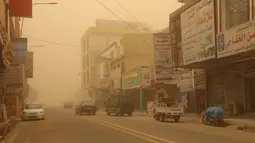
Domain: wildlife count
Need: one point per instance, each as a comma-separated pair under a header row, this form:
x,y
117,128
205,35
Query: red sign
x,y
21,8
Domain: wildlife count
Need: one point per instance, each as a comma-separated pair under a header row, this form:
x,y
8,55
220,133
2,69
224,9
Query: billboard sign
x,y
236,40
29,65
162,54
145,76
15,75
19,51
20,8
198,32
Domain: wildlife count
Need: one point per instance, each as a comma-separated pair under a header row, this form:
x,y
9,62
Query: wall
x,y
138,50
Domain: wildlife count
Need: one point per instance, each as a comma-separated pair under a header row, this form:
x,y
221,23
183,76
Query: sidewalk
x,y
7,126
233,122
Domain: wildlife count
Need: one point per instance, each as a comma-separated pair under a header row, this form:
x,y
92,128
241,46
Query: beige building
x,y
93,42
228,63
134,51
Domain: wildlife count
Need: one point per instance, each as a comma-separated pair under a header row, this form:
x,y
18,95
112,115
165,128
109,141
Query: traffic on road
x,y
63,126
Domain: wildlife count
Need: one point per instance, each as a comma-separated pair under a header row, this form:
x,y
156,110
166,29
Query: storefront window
x,y
237,12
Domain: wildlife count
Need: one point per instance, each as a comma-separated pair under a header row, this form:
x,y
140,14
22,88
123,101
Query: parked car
x,y
68,105
33,111
87,107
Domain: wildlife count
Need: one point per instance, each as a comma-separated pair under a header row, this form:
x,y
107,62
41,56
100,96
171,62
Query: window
x,y
237,12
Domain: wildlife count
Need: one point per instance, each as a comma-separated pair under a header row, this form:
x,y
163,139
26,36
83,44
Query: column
x,y
141,99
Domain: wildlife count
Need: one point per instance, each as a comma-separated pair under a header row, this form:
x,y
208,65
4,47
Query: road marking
x,y
127,132
132,131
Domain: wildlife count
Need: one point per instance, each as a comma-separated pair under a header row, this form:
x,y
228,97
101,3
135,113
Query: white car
x,y
33,111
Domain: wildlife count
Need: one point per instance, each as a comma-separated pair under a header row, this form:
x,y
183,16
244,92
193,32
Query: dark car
x,y
86,107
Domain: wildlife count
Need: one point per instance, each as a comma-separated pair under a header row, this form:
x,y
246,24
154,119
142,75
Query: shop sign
x,y
236,40
198,32
131,79
198,78
145,76
29,65
19,51
162,54
15,76
185,83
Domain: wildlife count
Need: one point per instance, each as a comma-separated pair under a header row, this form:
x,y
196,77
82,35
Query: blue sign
x,y
131,79
19,46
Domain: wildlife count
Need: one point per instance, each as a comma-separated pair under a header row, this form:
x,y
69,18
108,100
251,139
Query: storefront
x,y
231,82
136,84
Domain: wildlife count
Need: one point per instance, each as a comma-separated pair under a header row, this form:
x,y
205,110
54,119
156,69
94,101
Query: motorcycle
x,y
213,116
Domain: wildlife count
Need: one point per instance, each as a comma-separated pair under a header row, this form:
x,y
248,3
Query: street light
x,y
22,22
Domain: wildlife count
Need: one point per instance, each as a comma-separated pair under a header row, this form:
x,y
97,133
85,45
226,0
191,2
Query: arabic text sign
x,y
19,51
161,39
30,59
163,59
145,76
198,32
131,79
236,40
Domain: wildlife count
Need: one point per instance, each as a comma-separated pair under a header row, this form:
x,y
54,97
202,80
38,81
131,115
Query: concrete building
x,y
9,30
118,61
93,42
225,52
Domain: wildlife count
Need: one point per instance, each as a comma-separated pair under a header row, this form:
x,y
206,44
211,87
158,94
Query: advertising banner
x,y
20,8
29,65
198,78
162,54
185,83
15,76
236,40
19,51
145,76
131,79
198,32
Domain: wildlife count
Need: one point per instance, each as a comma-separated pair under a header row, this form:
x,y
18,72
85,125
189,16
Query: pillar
x,y
141,99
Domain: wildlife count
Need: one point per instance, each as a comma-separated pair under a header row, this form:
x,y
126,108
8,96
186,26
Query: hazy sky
x,y
57,67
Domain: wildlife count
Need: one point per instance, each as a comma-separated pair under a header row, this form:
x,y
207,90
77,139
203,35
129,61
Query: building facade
x,y
93,43
220,43
121,62
12,94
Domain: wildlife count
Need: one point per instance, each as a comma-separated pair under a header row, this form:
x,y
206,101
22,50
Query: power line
x,y
55,43
131,15
117,16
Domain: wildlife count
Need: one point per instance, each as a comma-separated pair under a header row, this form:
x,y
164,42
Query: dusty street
x,y
64,126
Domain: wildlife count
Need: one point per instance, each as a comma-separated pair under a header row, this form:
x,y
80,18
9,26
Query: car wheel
x,y
94,113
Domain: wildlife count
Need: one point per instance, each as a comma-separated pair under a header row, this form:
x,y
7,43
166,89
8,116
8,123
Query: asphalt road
x,y
63,126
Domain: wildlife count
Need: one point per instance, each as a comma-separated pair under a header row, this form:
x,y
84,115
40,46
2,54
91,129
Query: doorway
x,y
250,94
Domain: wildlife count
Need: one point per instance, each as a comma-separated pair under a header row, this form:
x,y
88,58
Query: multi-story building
x,y
93,42
9,30
131,55
217,36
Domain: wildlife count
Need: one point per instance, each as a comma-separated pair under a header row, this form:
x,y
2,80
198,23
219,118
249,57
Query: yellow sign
x,y
132,75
